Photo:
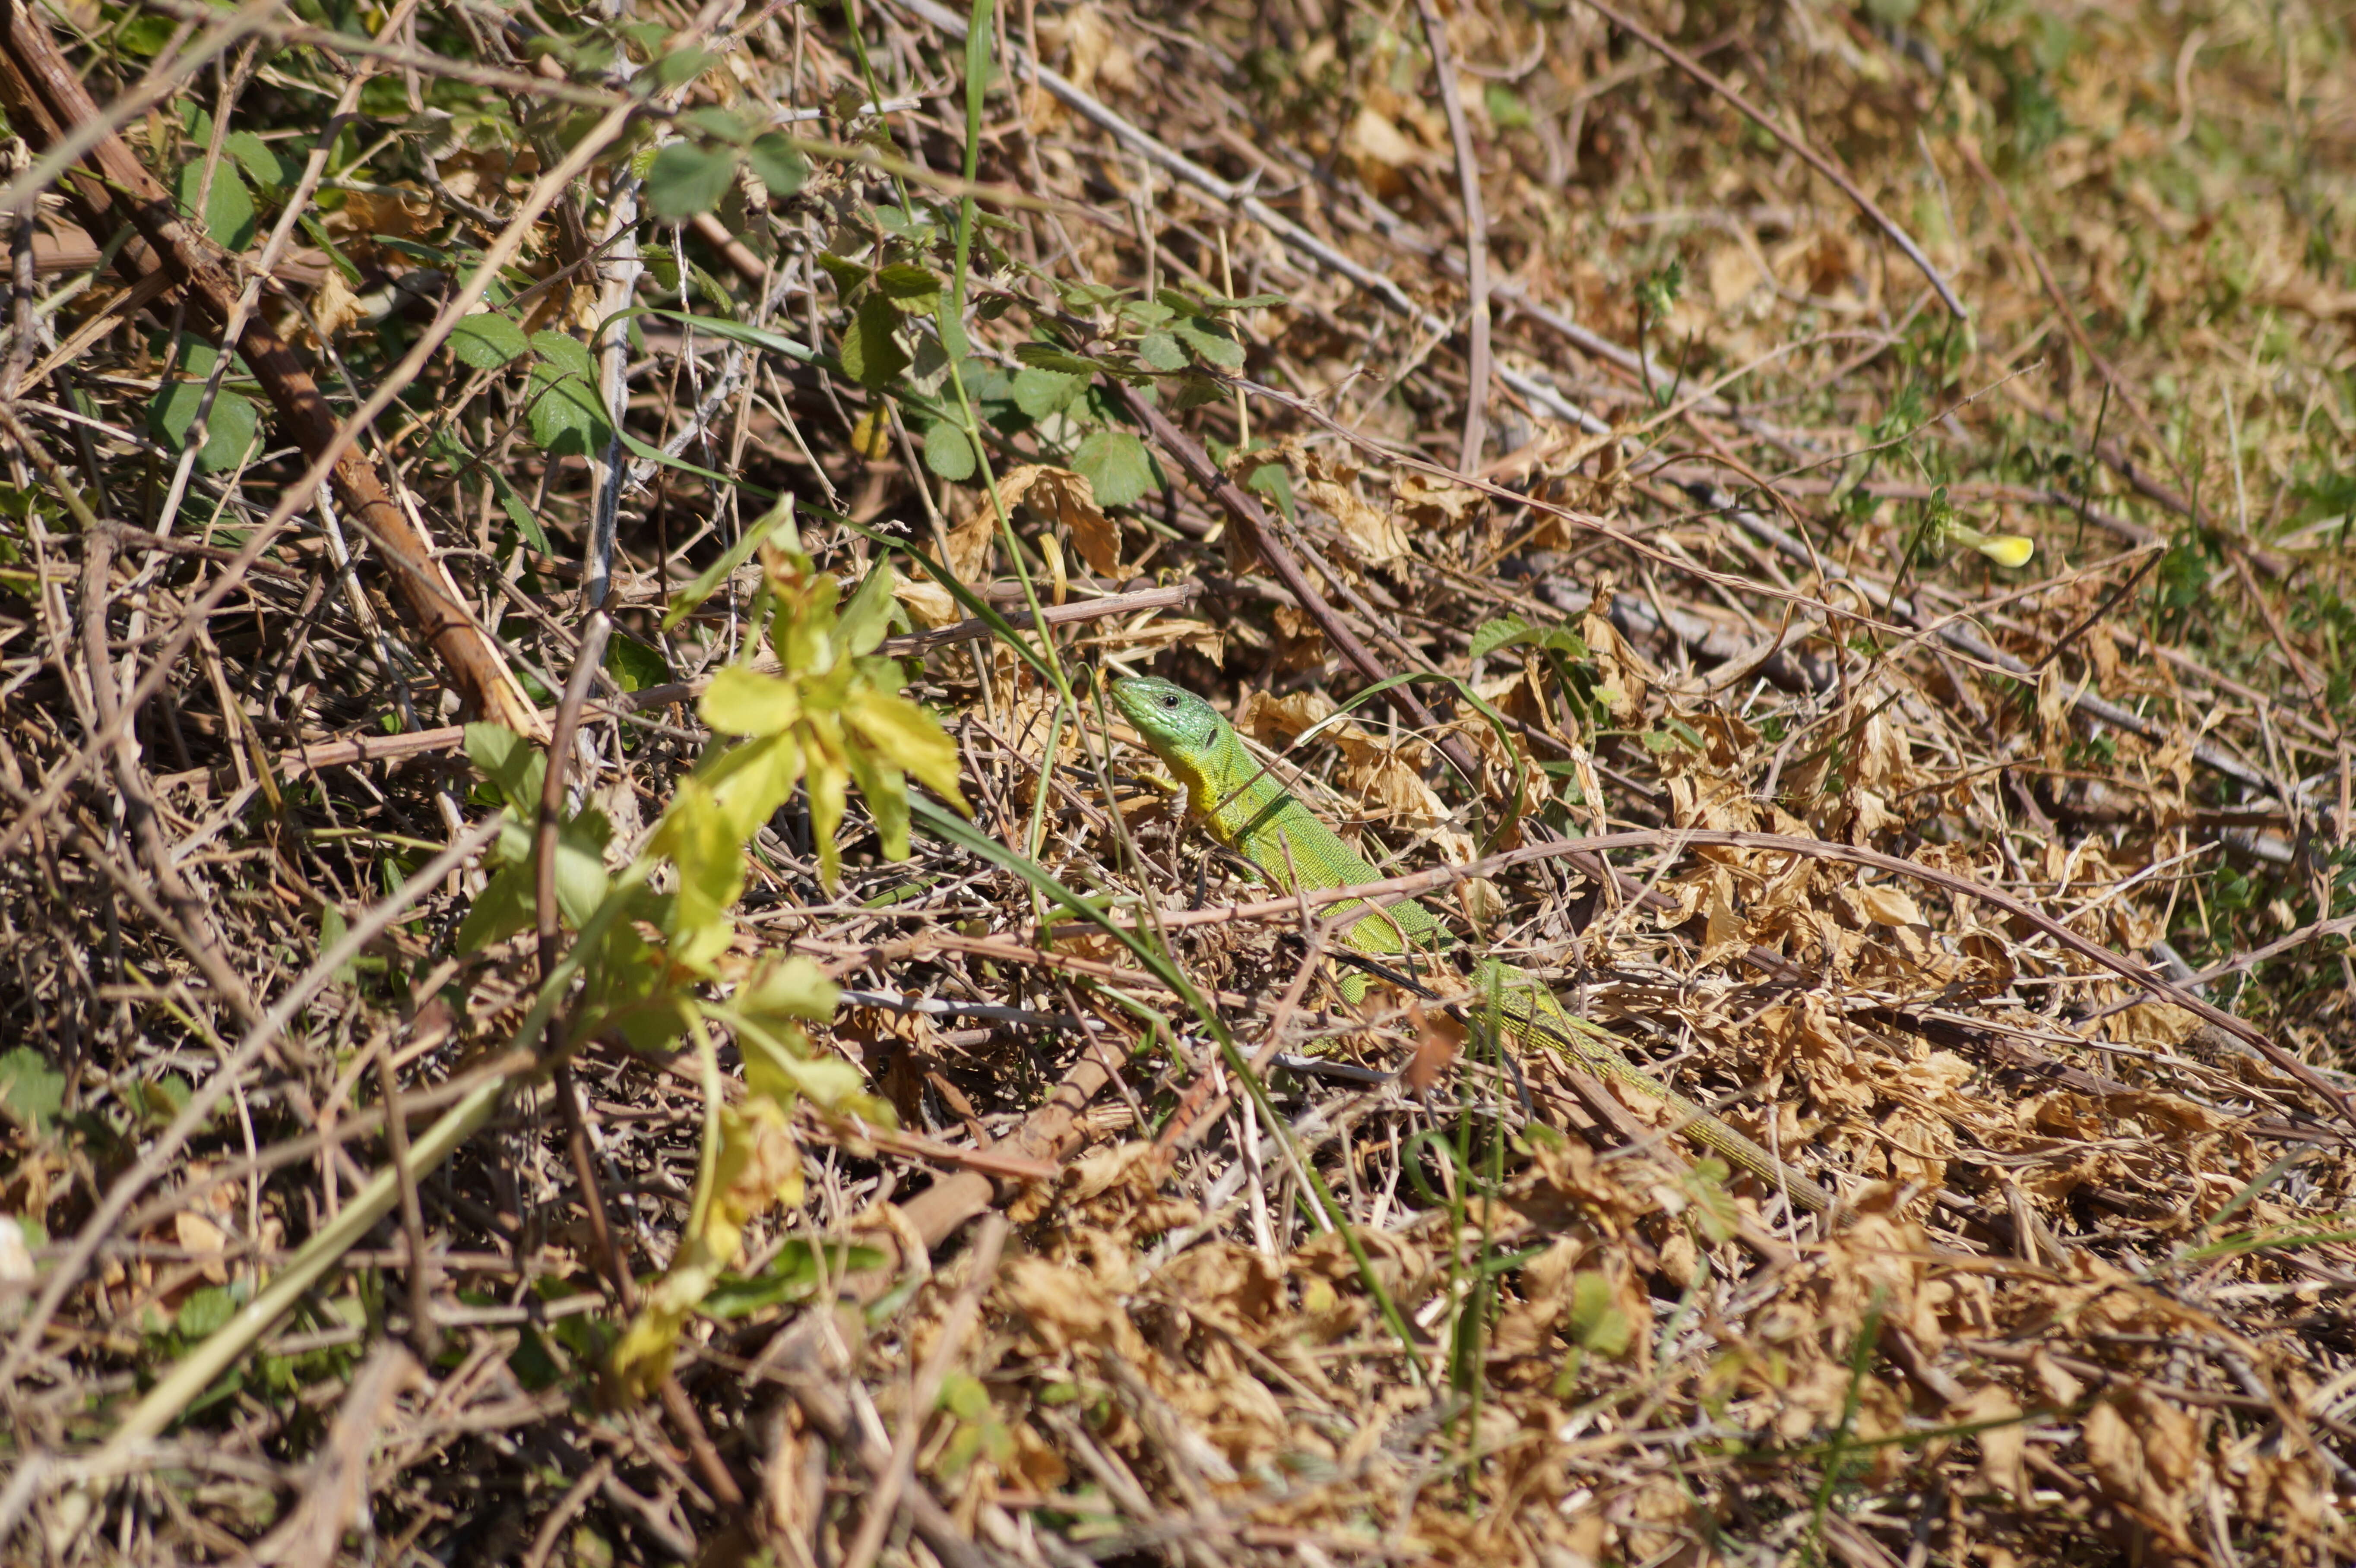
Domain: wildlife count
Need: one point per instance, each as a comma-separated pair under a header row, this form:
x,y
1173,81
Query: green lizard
x,y
1247,810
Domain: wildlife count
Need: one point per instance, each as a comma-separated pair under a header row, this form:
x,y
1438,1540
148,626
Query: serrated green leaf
x,y
487,340
1210,338
1088,296
777,165
915,289
208,1310
1047,356
686,179
870,356
948,453
1193,390
1039,392
1118,467
1504,632
1161,351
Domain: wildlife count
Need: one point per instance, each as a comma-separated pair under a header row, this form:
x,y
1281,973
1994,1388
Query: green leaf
x,y
686,179
1047,357
793,1276
869,357
258,159
719,124
334,928
915,289
507,904
1118,467
158,1100
776,522
1039,392
1506,110
683,65
513,765
948,453
1274,481
1503,632
487,340
829,1081
228,208
231,429
31,1089
885,790
1597,1324
791,987
1161,351
511,502
847,274
741,702
738,331
868,616
207,1310
777,165
568,418
905,735
748,783
1210,338
634,665
1193,390
695,833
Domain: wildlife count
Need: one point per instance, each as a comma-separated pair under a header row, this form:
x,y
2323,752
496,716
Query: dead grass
x,y
2085,1302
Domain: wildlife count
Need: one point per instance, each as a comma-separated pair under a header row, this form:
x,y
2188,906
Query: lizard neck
x,y
1228,789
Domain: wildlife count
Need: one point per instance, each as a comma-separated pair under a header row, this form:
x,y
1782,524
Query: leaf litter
x,y
1742,561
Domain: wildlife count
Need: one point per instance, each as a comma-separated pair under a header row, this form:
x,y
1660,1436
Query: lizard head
x,y
1171,719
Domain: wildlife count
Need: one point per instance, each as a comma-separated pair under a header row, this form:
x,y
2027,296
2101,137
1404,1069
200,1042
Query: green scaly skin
x,y
1246,808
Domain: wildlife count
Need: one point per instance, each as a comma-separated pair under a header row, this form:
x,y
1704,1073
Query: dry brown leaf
x,y
1276,721
1889,906
1439,1040
929,605
1070,501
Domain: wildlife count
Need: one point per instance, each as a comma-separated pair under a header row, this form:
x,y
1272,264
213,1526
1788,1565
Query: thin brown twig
x,y
1476,240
